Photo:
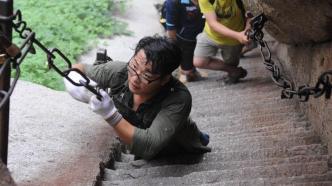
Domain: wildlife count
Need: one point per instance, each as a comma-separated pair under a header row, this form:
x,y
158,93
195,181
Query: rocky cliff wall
x,y
296,21
304,31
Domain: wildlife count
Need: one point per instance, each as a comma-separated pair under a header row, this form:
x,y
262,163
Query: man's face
x,y
141,80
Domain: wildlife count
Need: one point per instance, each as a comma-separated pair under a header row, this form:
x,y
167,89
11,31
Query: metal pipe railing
x,y
6,10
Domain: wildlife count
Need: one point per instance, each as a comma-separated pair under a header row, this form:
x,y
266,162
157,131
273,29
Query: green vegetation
x,y
71,26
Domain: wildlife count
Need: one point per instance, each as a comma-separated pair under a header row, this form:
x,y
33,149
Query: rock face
x,y
305,64
304,29
296,21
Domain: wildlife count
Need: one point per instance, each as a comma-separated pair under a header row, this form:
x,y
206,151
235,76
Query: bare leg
x,y
212,64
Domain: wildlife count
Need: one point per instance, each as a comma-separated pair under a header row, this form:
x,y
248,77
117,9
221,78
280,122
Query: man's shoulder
x,y
179,92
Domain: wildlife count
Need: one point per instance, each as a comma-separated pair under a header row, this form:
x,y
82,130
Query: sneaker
x,y
204,138
235,76
190,76
194,76
183,78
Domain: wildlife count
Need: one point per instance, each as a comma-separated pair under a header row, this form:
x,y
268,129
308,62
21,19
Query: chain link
x,y
322,87
16,55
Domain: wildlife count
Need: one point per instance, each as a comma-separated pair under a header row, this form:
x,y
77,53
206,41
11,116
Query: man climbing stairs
x,y
256,139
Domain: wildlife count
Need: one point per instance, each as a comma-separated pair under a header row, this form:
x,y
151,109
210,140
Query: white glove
x,y
105,108
79,93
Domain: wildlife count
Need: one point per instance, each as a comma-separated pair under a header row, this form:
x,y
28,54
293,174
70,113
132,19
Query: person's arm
x,y
172,12
211,19
79,66
248,17
145,143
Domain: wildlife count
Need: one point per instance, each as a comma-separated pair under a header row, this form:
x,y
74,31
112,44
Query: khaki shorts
x,y
205,47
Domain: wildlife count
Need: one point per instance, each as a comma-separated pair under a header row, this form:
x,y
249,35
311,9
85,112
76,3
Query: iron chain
x,y
16,57
322,87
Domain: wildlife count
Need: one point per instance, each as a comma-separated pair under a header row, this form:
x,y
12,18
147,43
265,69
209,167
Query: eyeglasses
x,y
143,77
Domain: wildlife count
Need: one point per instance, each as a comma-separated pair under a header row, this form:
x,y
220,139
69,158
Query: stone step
x,y
242,152
281,126
271,182
255,182
197,160
211,176
126,158
214,110
258,143
267,101
268,136
214,90
285,129
304,180
215,120
252,128
178,170
267,153
285,132
211,87
251,100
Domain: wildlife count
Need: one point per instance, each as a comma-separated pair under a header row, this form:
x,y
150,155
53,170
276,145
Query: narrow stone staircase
x,y
256,138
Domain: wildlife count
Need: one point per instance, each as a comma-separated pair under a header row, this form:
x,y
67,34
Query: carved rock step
x,y
267,99
262,143
197,162
285,132
258,182
275,113
202,177
252,102
254,154
269,182
210,110
214,90
285,129
211,86
179,170
304,180
251,127
273,126
267,135
238,154
226,97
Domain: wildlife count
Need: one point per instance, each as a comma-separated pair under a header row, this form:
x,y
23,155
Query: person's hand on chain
x,y
106,108
243,38
79,93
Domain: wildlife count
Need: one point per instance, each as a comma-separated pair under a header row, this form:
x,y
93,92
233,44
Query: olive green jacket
x,y
162,124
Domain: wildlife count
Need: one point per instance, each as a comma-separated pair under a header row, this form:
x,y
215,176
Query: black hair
x,y
163,53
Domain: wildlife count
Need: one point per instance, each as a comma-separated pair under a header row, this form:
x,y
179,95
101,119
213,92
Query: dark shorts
x,y
187,48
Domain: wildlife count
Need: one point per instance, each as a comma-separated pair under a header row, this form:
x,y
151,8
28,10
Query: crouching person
x,y
147,107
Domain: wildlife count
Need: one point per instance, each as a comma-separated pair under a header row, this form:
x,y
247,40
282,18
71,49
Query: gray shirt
x,y
162,124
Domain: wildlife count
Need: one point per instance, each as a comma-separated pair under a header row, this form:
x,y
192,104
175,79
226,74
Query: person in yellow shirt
x,y
224,29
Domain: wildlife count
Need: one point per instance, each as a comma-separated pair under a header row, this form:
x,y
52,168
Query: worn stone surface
x,y
305,27
296,21
5,177
304,65
55,140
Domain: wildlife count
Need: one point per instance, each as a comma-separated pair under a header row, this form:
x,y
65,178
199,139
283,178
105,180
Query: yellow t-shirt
x,y
228,14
